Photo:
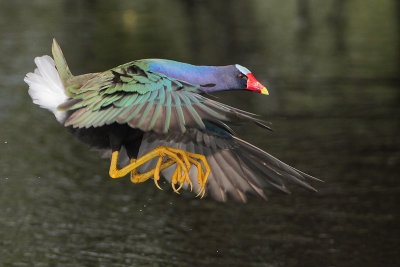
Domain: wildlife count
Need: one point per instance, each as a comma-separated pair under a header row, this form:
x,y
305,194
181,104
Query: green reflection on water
x,y
332,70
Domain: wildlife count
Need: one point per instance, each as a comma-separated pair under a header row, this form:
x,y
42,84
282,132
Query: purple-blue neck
x,y
210,78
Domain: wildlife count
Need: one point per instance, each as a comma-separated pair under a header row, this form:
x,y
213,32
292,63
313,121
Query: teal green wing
x,y
130,94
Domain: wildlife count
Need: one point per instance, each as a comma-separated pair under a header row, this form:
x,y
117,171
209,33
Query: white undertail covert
x,y
46,88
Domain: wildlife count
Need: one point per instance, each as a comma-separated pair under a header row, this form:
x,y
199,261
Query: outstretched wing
x,y
237,166
146,100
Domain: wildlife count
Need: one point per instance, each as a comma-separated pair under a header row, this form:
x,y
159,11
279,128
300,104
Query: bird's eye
x,y
241,76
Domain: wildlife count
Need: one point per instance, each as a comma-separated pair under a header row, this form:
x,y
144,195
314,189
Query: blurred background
x,y
332,69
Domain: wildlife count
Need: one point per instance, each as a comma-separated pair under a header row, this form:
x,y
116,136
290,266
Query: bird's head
x,y
247,80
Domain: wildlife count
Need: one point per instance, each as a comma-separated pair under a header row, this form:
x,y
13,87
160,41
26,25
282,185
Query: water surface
x,y
333,73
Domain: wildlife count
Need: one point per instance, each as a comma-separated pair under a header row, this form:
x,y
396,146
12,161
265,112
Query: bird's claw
x,y
181,158
183,162
202,176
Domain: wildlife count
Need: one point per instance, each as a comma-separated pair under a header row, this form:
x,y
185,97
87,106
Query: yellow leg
x,y
201,180
175,178
140,178
137,177
160,151
181,158
133,172
157,172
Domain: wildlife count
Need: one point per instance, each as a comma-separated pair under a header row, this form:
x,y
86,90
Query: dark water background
x,y
332,68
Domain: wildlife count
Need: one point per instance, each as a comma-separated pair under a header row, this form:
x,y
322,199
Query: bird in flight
x,y
154,113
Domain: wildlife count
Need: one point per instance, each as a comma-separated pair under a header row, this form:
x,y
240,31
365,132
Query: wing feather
x,y
179,112
236,166
190,110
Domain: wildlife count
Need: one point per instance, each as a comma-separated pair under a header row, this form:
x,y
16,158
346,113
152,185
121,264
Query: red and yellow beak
x,y
256,86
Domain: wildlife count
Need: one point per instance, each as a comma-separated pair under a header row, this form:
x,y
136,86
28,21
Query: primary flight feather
x,y
154,112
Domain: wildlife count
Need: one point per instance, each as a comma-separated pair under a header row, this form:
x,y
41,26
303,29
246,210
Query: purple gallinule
x,y
154,113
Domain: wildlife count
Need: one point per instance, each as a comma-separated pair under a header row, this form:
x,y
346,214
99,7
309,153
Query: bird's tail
x,y
51,83
45,86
